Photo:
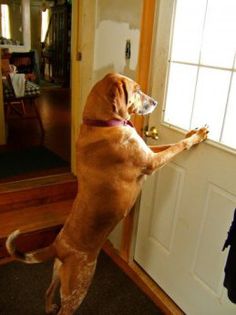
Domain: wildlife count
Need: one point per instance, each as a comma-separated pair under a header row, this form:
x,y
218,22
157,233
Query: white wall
x,y
100,29
116,22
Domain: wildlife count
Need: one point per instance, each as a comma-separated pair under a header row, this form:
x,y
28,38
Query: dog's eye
x,y
138,93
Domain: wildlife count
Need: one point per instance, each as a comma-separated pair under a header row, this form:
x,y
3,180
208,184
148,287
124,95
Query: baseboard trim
x,y
144,282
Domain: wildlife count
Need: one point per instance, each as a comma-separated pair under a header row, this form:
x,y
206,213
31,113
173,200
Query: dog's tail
x,y
34,257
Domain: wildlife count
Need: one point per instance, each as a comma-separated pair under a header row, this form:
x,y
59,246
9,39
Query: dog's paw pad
x,y
202,133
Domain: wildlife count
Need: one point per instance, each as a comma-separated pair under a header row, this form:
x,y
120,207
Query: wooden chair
x,y
15,107
27,63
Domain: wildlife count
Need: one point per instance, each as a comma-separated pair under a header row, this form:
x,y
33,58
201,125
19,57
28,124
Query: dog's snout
x,y
147,104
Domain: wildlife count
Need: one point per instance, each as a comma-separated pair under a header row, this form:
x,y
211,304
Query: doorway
x,y
187,207
26,141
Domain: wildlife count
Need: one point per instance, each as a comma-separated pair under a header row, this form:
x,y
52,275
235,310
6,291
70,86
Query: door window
x,y
202,81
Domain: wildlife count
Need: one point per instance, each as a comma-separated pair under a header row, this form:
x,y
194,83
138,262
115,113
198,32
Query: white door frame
x,y
82,58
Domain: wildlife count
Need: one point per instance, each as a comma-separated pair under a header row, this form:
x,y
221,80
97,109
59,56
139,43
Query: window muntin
x,y
201,82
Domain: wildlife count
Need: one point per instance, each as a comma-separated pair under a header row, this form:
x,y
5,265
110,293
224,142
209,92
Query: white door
x,y
187,206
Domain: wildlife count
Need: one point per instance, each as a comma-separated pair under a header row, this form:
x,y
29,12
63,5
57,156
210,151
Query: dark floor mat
x,y
28,160
22,289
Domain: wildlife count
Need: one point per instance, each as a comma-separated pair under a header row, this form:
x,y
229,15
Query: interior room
x,y
35,47
173,251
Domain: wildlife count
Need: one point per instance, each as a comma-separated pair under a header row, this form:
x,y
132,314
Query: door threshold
x,y
25,183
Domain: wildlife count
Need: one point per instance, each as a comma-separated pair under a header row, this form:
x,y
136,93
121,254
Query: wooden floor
x,y
36,206
54,106
55,109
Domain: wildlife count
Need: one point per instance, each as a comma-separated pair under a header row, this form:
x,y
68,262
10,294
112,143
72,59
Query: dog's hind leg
x,y
52,308
76,275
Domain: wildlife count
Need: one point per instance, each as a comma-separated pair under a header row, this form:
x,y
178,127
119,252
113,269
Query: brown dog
x,y
112,162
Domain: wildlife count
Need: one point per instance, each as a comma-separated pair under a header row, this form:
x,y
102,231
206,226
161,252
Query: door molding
x,y
82,56
143,76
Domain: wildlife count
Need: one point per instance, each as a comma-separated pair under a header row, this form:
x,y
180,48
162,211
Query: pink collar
x,y
107,123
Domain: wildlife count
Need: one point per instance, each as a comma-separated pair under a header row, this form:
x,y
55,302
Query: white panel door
x,y
186,208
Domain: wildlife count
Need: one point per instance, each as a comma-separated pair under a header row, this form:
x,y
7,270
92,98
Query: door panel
x,y
168,186
186,208
184,217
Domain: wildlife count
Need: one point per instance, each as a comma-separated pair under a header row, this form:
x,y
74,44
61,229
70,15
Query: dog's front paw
x,y
196,136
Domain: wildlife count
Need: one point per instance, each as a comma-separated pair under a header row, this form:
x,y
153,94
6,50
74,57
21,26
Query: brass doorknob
x,y
152,133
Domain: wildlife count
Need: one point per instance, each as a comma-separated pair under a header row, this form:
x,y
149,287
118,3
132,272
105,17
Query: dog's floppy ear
x,y
125,92
119,96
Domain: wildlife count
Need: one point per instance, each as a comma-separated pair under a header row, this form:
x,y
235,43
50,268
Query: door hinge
x,y
79,56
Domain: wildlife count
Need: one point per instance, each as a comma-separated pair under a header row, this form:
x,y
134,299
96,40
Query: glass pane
x,y
5,21
44,24
229,133
180,95
188,30
219,35
211,98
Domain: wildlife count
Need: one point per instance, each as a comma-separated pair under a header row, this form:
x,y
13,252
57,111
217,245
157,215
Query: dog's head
x,y
117,97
